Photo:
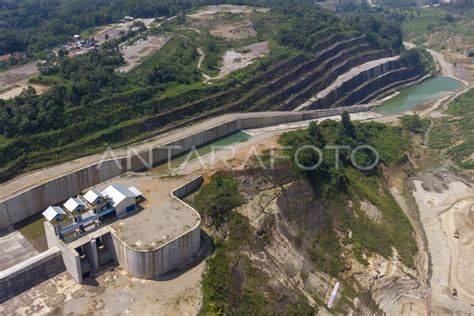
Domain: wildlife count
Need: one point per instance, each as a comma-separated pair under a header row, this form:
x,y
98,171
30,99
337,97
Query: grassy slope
x,y
438,28
344,228
454,135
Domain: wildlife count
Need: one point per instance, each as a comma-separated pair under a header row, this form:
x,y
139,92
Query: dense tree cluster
x,y
326,165
84,78
90,102
30,25
379,31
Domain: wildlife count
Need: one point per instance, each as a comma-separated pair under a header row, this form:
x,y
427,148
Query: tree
x,y
316,135
347,126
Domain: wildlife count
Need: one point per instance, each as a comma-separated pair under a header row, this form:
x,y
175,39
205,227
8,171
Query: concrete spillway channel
x,y
33,193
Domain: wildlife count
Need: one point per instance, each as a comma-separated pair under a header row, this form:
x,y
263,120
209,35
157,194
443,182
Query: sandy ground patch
x,y
207,11
14,80
40,88
134,54
214,17
445,205
114,31
14,91
236,59
233,31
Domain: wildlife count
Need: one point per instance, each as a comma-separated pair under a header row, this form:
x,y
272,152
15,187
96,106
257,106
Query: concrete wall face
x,y
72,262
149,264
57,190
25,275
154,263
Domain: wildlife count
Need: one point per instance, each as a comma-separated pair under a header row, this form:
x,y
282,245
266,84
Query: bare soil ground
x,y
14,80
445,204
236,59
233,31
137,52
115,30
215,18
210,10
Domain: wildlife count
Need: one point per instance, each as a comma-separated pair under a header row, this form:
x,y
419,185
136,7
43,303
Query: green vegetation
x,y
176,64
379,31
338,182
218,198
33,26
315,205
438,28
455,135
89,106
395,229
418,57
415,124
231,284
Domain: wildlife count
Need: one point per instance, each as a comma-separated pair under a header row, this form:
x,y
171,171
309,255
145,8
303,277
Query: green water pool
x,y
202,150
428,91
32,227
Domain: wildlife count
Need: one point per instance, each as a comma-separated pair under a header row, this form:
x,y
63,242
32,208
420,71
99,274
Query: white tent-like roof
x,y
73,204
51,212
118,193
135,191
92,195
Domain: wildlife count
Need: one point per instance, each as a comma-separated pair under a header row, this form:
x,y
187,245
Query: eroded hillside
x,y
285,238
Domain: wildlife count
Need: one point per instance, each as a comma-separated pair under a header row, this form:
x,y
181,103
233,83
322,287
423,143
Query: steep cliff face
x,y
297,247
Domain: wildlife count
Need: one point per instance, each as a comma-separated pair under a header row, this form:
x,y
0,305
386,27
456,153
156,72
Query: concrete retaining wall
x,y
379,85
29,273
37,199
149,264
333,96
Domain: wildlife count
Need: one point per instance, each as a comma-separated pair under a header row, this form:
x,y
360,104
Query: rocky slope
x,y
297,260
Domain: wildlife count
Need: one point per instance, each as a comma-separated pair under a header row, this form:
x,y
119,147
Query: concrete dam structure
x,y
23,197
172,240
89,251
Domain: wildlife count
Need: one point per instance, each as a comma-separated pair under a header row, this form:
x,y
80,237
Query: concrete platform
x,y
14,248
160,218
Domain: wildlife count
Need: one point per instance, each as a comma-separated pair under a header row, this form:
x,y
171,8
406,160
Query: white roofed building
x,y
123,198
54,214
92,196
74,205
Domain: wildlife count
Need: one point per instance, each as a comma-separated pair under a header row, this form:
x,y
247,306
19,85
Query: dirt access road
x,y
14,80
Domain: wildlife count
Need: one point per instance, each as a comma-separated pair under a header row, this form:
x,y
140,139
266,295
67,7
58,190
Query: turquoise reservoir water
x,y
428,91
202,150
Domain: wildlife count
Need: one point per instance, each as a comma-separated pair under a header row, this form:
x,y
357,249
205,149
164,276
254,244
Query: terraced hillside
x,y
91,108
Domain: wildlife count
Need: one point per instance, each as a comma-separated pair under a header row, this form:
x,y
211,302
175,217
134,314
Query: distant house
x,y
9,58
74,205
128,18
123,198
6,57
54,214
77,36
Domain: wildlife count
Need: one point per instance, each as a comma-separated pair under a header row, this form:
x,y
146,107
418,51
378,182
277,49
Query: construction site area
x,y
120,232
